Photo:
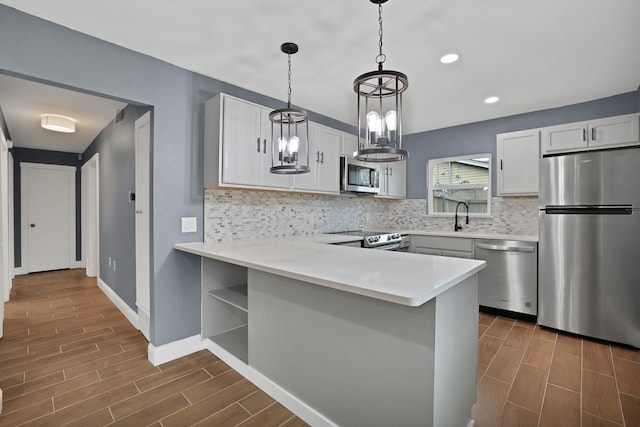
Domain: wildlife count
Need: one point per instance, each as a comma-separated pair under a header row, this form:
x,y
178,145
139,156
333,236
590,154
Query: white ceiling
x,y
24,101
534,54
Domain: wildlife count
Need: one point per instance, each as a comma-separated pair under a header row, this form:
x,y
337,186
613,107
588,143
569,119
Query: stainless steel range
x,y
380,239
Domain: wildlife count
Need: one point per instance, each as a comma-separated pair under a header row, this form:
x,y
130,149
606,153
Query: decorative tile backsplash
x,y
242,215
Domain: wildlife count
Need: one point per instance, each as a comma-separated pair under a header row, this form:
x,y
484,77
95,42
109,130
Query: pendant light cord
x,y
381,56
289,91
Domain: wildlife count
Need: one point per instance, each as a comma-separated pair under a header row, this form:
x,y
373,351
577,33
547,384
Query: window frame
x,y
431,188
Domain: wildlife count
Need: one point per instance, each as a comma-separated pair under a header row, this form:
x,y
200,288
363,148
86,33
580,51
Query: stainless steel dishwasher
x,y
510,279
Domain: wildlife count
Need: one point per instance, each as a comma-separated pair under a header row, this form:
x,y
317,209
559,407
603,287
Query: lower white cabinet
x,y
225,306
393,180
457,247
608,132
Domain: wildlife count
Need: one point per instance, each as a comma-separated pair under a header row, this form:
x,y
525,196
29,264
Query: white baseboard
x,y
19,271
128,312
173,350
291,402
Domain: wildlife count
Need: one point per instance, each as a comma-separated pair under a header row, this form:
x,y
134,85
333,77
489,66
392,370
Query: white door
x,y
48,216
5,279
90,210
143,176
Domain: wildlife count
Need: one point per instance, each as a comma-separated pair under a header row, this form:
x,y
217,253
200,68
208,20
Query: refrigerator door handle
x,y
589,210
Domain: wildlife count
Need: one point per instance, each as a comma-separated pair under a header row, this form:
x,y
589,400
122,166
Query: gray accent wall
x,y
37,49
116,146
480,137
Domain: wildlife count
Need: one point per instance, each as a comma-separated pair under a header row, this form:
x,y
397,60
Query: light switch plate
x,y
189,224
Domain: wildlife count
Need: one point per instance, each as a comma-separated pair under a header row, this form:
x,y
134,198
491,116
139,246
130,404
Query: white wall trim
x,y
128,312
19,270
174,350
291,402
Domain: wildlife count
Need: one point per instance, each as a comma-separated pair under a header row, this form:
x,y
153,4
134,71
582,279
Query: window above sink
x,y
452,180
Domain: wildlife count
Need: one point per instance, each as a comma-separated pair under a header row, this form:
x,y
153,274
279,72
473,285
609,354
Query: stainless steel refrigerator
x,y
589,249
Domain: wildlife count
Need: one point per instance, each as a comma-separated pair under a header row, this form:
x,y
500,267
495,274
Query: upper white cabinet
x,y
324,149
393,180
590,135
237,149
518,155
349,144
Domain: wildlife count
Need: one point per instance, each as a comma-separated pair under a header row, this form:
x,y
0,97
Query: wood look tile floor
x,y
532,376
69,357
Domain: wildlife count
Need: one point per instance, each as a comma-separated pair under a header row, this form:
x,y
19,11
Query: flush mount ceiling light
x,y
380,110
449,58
58,123
492,100
289,132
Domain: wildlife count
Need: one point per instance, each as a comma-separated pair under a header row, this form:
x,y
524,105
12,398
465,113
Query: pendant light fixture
x,y
289,132
380,110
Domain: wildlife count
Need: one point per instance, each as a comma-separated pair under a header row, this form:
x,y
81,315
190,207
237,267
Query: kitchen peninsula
x,y
342,335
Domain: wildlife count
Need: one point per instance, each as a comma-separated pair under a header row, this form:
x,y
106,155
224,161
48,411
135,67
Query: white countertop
x,y
398,277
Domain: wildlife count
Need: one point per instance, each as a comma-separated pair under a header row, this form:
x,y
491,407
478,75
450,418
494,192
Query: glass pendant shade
x,y
380,110
290,136
289,133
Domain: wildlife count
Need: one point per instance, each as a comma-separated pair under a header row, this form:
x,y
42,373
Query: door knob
x,y
32,225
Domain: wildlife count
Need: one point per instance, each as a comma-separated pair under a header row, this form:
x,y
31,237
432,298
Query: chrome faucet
x,y
457,226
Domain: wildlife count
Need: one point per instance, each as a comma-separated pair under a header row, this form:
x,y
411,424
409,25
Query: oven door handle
x,y
387,247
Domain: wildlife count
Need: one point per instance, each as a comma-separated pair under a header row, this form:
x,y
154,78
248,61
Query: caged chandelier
x,y
289,132
380,110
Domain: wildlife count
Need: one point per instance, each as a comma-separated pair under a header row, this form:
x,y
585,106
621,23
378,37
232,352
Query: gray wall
x,y
26,155
480,137
39,50
116,146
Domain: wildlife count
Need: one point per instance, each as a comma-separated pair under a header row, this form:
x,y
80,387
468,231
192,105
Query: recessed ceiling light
x,y
58,123
492,100
449,58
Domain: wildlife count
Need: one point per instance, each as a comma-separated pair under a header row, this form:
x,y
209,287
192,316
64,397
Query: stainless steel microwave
x,y
358,177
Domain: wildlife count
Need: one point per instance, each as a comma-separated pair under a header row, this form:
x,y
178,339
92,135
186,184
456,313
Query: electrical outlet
x,y
189,224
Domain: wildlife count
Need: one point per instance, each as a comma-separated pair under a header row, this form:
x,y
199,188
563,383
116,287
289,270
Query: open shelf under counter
x,y
234,295
235,342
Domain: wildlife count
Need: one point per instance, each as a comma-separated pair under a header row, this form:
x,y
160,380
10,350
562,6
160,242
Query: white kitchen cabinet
x,y
237,149
349,144
518,156
324,148
393,180
457,247
608,132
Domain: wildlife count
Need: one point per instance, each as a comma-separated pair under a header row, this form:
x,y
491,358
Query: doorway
x,y
48,216
91,215
143,176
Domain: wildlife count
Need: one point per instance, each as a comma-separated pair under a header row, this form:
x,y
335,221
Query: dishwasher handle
x,y
505,248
